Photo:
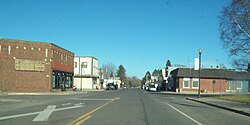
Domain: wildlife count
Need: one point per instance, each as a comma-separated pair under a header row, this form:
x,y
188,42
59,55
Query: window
x,y
75,64
84,65
195,83
186,83
234,85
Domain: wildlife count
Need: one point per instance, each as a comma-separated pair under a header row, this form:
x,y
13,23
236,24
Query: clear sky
x,y
139,34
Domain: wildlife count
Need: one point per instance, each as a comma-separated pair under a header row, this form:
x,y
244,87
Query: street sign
x,y
214,82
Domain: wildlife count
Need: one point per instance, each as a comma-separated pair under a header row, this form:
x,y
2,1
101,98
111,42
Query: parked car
x,y
110,86
152,88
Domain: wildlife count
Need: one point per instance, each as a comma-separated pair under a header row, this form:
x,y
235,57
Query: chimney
x,y
196,63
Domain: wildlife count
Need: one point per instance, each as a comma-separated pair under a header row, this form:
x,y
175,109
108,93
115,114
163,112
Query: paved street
x,y
123,107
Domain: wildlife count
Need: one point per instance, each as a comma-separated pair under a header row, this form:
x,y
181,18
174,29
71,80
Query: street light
x,y
83,65
81,76
200,51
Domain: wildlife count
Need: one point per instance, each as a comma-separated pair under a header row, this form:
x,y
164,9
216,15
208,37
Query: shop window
x,y
61,79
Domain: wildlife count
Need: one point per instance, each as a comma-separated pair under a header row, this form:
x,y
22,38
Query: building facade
x,y
211,81
28,66
86,73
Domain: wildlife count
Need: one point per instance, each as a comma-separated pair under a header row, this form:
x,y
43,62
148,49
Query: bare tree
x,y
133,81
108,70
235,32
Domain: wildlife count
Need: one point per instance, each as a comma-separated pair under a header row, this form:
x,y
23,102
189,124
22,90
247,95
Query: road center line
x,y
81,118
90,99
44,115
183,114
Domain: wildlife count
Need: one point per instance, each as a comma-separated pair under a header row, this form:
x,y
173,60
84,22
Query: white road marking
x,y
72,107
20,115
79,103
183,114
90,99
65,104
44,115
10,100
35,113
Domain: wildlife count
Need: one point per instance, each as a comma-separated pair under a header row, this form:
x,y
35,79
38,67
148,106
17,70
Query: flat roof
x,y
35,42
86,57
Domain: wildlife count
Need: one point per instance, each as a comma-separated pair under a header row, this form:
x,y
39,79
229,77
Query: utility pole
x,y
200,52
81,76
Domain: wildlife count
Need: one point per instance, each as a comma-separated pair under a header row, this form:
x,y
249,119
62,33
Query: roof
x,y
211,73
86,57
9,40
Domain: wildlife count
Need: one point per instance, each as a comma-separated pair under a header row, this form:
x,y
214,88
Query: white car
x,y
152,88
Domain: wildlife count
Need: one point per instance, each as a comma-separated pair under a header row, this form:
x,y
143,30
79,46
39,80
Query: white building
x,y
86,72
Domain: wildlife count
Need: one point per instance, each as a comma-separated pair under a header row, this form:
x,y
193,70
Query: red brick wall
x,y
29,81
206,84
62,59
32,82
7,75
23,81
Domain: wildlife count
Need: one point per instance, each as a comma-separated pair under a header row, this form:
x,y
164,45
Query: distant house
x,y
212,80
86,72
114,80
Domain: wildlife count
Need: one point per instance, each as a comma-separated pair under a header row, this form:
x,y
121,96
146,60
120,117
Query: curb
x,y
48,93
221,107
39,94
195,94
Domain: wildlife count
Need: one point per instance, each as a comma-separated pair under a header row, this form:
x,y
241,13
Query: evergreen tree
x,y
121,72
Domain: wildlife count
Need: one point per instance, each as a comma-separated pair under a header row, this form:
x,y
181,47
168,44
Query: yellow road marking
x,y
81,118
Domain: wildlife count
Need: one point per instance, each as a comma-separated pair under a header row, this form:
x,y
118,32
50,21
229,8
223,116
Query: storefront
x,y
62,80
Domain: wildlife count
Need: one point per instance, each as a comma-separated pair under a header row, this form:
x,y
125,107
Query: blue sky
x,y
139,34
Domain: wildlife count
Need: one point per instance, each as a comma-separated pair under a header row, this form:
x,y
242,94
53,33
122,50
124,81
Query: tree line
x,y
109,70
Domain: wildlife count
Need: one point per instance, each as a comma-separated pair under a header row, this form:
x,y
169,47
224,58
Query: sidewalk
x,y
49,93
237,107
193,94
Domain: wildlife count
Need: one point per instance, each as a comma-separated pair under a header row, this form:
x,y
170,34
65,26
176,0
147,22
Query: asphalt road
x,y
123,107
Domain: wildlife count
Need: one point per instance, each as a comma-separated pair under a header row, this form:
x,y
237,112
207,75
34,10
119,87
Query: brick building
x,y
27,66
212,80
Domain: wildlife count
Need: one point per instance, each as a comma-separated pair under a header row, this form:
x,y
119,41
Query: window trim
x,y
183,83
195,79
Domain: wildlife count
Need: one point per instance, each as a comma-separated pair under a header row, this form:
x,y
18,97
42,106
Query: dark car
x,y
110,86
